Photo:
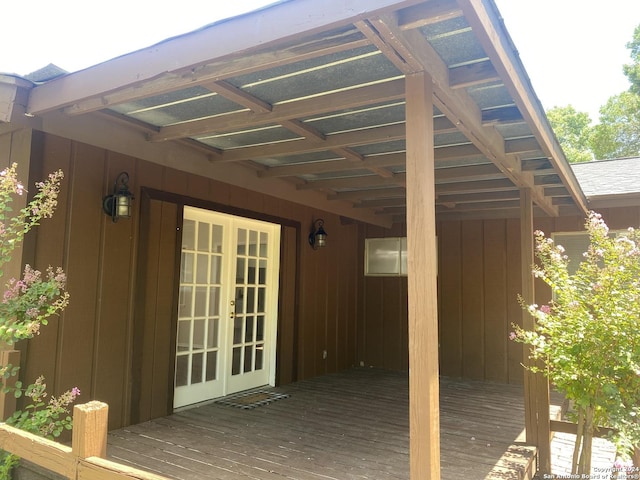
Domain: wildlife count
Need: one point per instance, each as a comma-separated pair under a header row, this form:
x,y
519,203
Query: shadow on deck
x,y
349,425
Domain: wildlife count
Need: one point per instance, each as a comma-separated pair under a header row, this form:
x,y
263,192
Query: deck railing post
x,y
90,425
8,400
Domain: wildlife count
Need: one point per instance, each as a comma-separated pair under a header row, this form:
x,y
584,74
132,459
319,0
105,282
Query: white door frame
x,y
188,393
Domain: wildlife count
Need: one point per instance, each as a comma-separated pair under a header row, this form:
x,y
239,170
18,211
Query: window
x,y
575,244
385,256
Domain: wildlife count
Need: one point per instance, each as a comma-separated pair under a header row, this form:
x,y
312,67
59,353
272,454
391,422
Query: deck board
x,y
351,425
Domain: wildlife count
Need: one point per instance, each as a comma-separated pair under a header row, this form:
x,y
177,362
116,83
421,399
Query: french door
x,y
227,308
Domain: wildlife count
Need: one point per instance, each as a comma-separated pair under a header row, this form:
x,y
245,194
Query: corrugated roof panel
x,y
248,138
454,41
379,148
311,77
371,116
490,96
312,157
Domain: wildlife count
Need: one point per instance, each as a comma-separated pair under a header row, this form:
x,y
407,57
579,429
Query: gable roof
x,y
613,182
305,100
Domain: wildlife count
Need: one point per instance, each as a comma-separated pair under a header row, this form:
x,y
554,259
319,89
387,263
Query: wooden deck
x,y
350,425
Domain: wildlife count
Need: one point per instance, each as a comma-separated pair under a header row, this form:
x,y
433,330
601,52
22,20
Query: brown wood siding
x,y
479,282
384,333
116,339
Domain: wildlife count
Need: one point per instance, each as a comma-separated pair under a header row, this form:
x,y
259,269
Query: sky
x,y
572,50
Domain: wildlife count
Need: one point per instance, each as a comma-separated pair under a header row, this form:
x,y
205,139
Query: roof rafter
x,y
459,107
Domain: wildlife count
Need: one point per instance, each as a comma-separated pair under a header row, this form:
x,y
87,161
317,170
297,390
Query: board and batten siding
x,y
478,285
115,341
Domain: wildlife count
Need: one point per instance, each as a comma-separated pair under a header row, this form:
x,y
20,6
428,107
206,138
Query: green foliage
x,y
26,304
7,464
586,337
632,70
618,133
572,128
47,419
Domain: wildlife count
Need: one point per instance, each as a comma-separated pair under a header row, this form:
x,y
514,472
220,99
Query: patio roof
x,y
306,100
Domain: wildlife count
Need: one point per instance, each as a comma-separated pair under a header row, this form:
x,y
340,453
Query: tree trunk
x,y
585,457
578,443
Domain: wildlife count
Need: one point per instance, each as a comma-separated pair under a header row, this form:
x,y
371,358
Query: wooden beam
x,y
501,115
278,24
522,145
348,139
473,74
367,181
360,195
497,44
331,166
459,107
428,13
536,385
475,187
331,102
424,408
528,295
239,96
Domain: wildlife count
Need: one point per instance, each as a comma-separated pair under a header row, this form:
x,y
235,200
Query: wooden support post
x,y
8,400
536,386
424,409
90,422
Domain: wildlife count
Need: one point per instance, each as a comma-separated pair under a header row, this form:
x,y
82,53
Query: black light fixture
x,y
118,204
318,237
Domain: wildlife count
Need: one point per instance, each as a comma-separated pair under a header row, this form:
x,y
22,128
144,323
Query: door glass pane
x,y
182,370
251,271
196,368
248,358
262,275
242,241
248,329
203,237
198,334
186,270
212,366
216,244
260,328
239,299
235,362
253,243
212,333
261,295
200,309
184,335
216,269
184,301
214,301
250,299
237,330
264,237
202,268
259,357
188,234
240,270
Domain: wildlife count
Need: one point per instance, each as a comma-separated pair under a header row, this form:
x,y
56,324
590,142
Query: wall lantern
x,y
118,204
318,237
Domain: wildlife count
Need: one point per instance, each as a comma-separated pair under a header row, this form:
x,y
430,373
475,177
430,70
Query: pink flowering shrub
x,y
26,304
45,418
586,338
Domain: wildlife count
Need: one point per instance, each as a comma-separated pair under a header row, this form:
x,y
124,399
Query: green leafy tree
x,y
587,336
618,133
632,70
572,128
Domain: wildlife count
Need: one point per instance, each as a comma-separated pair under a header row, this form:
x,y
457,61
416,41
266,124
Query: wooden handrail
x,y
81,461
